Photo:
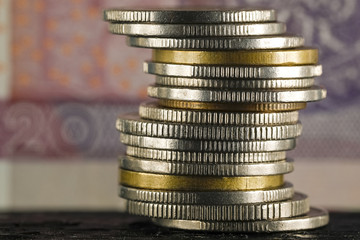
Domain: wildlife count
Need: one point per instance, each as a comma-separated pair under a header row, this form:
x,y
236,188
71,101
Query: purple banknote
x,y
62,51
74,129
68,129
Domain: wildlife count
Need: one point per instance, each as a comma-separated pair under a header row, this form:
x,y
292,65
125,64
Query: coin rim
x,y
197,183
207,145
258,84
197,30
316,217
188,157
315,93
223,107
153,111
296,206
228,71
229,43
131,123
207,198
196,16
281,57
191,169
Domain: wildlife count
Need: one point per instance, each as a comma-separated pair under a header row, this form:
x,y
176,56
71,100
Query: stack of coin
x,y
210,152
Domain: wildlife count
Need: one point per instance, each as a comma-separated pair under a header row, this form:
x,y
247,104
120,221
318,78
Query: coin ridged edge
x,y
314,219
314,93
232,197
298,205
272,42
234,84
205,145
224,170
240,107
132,124
257,72
153,111
171,16
198,30
204,157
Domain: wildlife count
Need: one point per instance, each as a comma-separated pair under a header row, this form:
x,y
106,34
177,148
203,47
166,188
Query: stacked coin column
x,y
210,152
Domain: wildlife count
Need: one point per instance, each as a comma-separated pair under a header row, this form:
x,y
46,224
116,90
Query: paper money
x,y
57,60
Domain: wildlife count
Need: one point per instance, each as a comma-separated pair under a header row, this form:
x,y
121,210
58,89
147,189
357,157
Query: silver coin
x,y
296,206
208,198
205,157
211,146
153,111
133,124
252,72
233,83
226,170
314,93
229,43
197,30
190,15
314,219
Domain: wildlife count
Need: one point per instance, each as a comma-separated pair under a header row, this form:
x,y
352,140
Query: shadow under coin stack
x,y
210,152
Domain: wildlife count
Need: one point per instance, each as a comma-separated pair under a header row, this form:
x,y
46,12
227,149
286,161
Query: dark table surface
x,y
112,225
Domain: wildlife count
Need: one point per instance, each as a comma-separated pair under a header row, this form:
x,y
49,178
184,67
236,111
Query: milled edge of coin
x,y
314,93
296,206
211,198
133,124
204,145
260,42
190,16
233,83
197,30
240,107
152,110
197,183
314,219
205,157
226,170
240,72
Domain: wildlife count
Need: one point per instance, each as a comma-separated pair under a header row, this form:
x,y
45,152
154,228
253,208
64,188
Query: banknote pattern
x,y
69,129
63,52
63,58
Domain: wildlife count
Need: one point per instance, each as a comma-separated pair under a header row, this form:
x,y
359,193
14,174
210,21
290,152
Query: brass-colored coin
x,y
197,183
234,107
288,57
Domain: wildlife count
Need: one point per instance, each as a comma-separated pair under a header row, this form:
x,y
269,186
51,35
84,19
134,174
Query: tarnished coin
x,y
204,145
153,111
314,93
197,183
315,218
241,107
188,15
277,57
197,30
205,157
239,72
133,124
208,198
226,170
234,83
296,206
228,43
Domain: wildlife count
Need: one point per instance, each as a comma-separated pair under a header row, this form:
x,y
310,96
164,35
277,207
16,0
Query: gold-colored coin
x,y
289,57
234,107
198,183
